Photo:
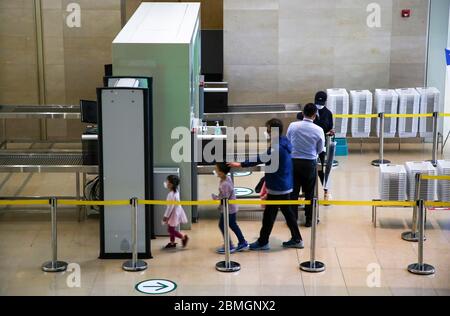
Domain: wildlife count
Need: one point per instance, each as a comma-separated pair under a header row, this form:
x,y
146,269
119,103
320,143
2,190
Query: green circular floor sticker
x,y
243,192
242,174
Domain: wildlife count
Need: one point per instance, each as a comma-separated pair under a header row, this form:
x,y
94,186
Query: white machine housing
x,y
429,103
362,103
339,103
409,103
393,183
386,101
427,187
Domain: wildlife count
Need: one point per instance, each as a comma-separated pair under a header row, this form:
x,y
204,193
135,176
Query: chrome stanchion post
x,y
134,264
54,265
435,138
421,268
227,265
381,161
413,236
312,265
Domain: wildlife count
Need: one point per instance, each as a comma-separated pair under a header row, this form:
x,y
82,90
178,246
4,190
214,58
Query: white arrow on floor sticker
x,y
156,287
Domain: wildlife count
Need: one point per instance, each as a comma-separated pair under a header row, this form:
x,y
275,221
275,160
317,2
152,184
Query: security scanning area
x,y
226,149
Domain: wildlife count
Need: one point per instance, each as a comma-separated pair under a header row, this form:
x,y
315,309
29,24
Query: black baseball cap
x,y
321,98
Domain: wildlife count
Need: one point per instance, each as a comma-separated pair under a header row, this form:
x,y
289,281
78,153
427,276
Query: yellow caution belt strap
x,y
440,178
408,115
24,202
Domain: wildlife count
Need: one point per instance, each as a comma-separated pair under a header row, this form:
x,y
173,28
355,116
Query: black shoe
x,y
294,244
170,246
309,222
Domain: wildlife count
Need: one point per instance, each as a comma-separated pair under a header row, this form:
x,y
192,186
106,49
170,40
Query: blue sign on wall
x,y
447,54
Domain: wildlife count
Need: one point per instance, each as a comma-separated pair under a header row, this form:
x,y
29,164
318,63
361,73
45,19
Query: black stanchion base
x,y
312,267
379,162
139,266
412,237
222,266
421,269
54,266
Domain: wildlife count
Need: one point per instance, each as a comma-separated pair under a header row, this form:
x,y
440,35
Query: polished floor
x,y
360,259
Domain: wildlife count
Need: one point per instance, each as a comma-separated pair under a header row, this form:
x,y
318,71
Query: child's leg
x,y
236,229
222,225
177,234
171,234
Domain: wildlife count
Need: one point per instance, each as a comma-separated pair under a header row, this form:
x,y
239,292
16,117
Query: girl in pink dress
x,y
174,214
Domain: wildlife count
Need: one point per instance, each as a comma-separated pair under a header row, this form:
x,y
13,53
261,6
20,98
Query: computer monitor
x,y
88,111
109,70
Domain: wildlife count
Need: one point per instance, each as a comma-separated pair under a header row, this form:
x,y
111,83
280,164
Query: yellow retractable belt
x,y
232,202
408,115
24,202
94,203
369,203
181,203
437,204
360,116
265,202
440,178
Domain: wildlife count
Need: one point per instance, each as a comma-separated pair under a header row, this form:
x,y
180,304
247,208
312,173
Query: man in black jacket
x,y
324,119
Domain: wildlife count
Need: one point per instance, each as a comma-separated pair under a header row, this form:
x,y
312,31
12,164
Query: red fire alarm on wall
x,y
406,13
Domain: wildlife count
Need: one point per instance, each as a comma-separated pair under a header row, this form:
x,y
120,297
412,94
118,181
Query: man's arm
x,y
321,143
330,122
248,163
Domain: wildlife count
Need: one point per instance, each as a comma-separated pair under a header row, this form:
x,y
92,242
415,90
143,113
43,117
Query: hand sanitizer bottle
x,y
218,130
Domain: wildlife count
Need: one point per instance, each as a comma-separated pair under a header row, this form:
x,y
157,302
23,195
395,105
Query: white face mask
x,y
266,135
320,107
215,173
166,186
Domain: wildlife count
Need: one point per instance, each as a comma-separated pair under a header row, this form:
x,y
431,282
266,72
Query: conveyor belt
x,y
41,159
40,112
44,162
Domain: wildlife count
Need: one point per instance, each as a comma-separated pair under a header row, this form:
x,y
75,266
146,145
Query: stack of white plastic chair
x,y
386,101
443,169
429,103
409,103
362,102
427,187
393,183
339,103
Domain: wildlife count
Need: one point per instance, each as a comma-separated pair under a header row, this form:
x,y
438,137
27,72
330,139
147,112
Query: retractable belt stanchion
x,y
381,161
421,268
227,265
134,264
312,265
54,265
413,235
435,138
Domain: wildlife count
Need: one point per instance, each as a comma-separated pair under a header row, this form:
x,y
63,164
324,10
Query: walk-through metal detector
x,y
126,166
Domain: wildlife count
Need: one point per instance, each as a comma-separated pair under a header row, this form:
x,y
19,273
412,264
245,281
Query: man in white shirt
x,y
308,141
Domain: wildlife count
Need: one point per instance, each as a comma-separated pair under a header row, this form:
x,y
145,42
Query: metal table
x,y
48,163
44,112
